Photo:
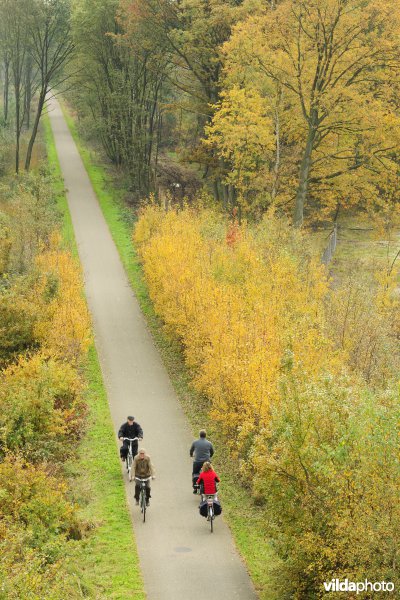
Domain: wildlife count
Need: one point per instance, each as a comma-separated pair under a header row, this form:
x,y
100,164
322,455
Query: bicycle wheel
x,y
129,466
211,517
143,503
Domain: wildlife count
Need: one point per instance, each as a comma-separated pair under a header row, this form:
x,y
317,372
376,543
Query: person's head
x,y
203,433
142,453
207,466
130,420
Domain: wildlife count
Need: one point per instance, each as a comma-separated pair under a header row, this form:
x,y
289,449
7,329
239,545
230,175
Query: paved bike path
x,y
179,557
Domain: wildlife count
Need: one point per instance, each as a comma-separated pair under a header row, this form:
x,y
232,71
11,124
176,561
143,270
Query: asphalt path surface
x,y
179,557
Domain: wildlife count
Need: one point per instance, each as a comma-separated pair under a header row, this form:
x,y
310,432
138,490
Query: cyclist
x,y
202,450
208,477
142,467
130,429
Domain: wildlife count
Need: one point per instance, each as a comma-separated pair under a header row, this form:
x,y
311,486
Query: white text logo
x,y
336,585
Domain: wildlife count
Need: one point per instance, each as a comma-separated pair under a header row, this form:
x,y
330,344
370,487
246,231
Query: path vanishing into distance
x,y
179,557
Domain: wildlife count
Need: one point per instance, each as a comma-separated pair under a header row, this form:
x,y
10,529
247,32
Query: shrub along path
x,y
179,557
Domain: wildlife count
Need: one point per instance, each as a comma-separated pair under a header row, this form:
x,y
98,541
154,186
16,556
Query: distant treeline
x,y
282,102
35,47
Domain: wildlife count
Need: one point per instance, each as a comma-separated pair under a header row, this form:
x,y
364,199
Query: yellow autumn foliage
x,y
242,131
44,333
241,307
300,378
37,523
41,408
63,324
313,68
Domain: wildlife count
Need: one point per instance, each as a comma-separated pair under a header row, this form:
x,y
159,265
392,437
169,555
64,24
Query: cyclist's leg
x,y
137,491
134,448
197,465
123,451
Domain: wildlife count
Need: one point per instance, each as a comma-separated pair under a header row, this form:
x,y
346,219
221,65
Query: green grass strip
x,y
243,518
107,564
67,230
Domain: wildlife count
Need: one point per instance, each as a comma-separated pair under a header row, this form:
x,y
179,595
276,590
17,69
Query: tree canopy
x,y
290,103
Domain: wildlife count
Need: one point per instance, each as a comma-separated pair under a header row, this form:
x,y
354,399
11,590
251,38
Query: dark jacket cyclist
x,y
130,429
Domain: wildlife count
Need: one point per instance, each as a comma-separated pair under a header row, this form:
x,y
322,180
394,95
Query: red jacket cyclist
x,y
208,477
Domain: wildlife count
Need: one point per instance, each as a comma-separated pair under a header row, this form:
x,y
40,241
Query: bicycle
x,y
142,495
210,499
129,456
210,510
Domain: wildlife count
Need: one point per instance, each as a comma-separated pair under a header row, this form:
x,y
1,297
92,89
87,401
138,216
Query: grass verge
x,y
244,519
107,563
67,230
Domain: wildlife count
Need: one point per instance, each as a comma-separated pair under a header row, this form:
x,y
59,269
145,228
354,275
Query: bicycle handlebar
x,y
131,439
141,479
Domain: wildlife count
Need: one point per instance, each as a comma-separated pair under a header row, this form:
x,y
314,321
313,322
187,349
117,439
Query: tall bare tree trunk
x,y
17,125
277,146
302,188
6,88
32,139
28,92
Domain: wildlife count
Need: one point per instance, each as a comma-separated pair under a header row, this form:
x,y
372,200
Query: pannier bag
x,y
217,508
203,508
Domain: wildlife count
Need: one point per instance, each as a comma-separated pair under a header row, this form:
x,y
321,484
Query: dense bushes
x,y
37,524
44,307
364,323
298,376
41,408
17,319
327,467
27,219
238,305
44,334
